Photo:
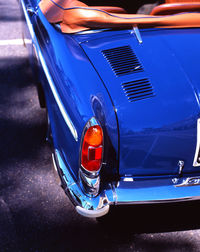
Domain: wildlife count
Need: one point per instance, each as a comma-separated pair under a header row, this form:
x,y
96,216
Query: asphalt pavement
x,y
35,214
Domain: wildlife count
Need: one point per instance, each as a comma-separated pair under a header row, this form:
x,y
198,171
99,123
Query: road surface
x,y
35,214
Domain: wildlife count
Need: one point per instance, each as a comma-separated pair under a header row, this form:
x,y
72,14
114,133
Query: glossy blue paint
x,y
78,86
127,191
145,139
157,132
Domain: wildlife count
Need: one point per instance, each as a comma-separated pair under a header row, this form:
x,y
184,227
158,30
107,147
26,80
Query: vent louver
x,y
122,60
138,90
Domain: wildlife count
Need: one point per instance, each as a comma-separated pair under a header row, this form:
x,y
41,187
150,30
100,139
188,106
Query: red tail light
x,y
92,149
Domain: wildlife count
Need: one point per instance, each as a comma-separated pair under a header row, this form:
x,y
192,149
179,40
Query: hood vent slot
x,y
138,90
122,60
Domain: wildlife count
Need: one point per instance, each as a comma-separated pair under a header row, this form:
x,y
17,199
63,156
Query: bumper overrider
x,y
126,191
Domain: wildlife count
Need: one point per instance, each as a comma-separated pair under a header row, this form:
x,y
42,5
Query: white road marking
x,y
14,42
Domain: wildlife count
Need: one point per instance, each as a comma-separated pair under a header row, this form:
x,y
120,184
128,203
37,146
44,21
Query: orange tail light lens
x,y
92,149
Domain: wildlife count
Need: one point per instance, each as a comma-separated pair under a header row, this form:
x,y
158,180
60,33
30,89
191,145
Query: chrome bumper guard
x,y
126,191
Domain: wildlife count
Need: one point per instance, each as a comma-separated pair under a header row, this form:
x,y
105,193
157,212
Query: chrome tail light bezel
x,y
90,180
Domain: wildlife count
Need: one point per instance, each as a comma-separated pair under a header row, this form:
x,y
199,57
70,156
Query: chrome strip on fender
x,y
46,71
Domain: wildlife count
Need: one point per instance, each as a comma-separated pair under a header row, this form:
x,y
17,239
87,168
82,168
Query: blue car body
x,y
144,94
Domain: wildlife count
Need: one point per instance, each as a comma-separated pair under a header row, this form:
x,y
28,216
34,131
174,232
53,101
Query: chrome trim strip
x,y
48,76
164,201
165,190
57,98
196,163
85,205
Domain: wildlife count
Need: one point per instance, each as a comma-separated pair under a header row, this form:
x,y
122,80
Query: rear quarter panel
x,y
81,92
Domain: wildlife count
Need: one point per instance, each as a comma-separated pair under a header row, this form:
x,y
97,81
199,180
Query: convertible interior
x,y
75,16
131,7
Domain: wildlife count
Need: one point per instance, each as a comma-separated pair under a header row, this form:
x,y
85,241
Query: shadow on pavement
x,y
35,214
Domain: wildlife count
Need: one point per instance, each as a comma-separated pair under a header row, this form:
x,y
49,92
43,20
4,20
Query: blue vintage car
x,y
123,111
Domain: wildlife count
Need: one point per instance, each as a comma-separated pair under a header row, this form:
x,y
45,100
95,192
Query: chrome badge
x,y
189,182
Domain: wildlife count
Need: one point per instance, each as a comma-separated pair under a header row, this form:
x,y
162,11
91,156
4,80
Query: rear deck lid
x,y
154,87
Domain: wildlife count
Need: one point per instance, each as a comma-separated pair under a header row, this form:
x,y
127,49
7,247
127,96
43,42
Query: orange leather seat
x,y
75,16
174,8
181,1
54,13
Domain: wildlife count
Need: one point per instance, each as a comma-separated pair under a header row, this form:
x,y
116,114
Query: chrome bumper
x,y
126,191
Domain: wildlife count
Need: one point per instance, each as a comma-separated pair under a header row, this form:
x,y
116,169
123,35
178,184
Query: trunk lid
x,y
154,87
